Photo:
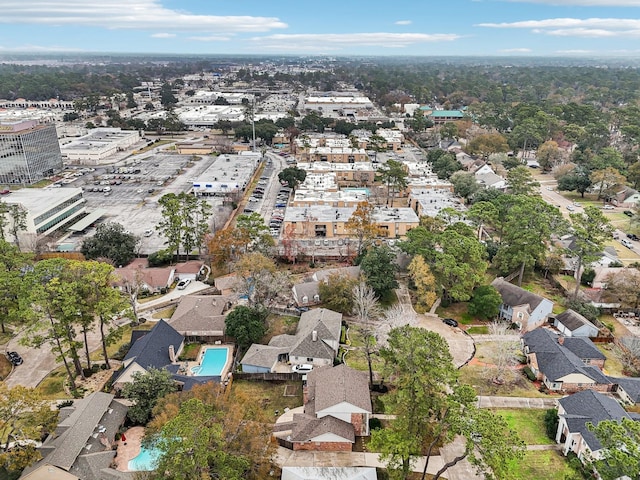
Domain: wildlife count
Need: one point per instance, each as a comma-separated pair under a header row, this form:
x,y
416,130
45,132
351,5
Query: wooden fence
x,y
268,377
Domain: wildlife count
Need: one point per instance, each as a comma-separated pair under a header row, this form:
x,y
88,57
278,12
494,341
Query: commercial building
x,y
47,209
228,174
362,173
98,145
208,115
337,104
324,221
29,152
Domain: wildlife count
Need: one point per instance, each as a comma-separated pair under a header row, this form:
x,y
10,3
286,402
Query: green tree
x,y
14,304
449,130
394,175
293,176
464,184
362,225
18,216
446,165
521,182
246,325
607,182
112,242
252,227
167,99
548,155
379,269
576,180
620,453
144,391
336,293
485,302
590,230
459,264
193,446
185,221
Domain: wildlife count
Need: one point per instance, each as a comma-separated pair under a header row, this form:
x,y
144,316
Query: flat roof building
x,y
227,174
29,152
430,201
48,210
99,144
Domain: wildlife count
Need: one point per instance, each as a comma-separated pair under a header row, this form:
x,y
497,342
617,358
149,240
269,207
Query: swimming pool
x,y
212,363
145,461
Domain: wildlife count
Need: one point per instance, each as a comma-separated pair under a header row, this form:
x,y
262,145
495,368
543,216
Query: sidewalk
x,y
517,402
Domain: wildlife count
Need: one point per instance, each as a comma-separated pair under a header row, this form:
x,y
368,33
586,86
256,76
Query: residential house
x,y
337,407
567,364
315,342
571,324
627,388
188,270
226,284
580,409
526,309
308,292
81,446
491,180
156,348
329,473
201,317
150,279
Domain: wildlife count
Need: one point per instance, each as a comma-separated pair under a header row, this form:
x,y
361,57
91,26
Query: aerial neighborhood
x,y
319,268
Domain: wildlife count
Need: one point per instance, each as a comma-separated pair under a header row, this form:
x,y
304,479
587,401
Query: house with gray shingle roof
x,y
337,407
316,342
308,292
156,348
565,364
526,309
575,412
627,388
571,324
81,445
201,317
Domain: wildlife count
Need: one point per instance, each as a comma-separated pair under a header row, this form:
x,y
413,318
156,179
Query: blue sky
x,y
346,27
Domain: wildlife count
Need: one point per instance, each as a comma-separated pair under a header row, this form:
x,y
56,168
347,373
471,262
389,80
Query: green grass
x,y
190,351
52,387
125,337
480,378
266,396
357,359
546,464
528,423
478,330
612,365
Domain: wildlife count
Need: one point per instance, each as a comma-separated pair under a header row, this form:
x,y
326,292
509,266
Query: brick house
x,y
337,408
565,364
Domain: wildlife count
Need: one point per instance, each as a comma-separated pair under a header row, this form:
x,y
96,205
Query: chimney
x,y
172,354
314,336
561,340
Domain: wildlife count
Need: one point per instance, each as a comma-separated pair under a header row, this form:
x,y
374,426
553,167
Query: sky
x,y
327,27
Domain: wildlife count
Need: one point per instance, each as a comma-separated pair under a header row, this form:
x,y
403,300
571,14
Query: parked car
x,y
609,207
626,243
450,321
570,207
182,284
628,213
304,368
14,358
148,233
633,237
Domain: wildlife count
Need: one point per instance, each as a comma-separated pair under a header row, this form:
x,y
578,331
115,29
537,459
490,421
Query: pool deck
x,y
203,348
130,449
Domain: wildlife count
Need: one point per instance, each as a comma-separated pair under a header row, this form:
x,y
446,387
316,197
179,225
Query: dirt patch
x,y
279,325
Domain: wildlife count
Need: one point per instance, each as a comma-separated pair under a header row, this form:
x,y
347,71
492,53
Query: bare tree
x,y
132,287
367,310
630,353
505,351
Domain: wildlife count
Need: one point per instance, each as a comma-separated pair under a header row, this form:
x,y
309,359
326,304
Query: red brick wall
x,y
597,363
358,424
323,446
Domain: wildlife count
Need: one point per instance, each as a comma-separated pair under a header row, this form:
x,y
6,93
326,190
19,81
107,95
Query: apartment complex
x,y
29,152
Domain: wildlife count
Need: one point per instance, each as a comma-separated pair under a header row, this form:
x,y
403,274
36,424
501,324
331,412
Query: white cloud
x,y
327,41
163,35
574,52
403,22
516,50
576,27
121,14
212,38
584,3
39,48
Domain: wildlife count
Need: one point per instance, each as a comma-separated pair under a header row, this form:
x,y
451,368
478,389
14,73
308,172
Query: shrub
x,y
65,403
375,424
530,375
160,258
122,351
551,422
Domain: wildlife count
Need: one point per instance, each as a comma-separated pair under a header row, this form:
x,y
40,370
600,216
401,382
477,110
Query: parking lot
x,y
132,198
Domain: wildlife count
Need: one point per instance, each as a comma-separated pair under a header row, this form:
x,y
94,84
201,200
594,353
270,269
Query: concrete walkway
x,y
517,402
175,294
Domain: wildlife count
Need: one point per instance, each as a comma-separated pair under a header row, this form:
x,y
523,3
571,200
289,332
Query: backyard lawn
x,y
612,365
529,423
547,464
268,396
278,325
479,377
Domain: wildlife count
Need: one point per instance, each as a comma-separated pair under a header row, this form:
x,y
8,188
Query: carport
x,y
83,224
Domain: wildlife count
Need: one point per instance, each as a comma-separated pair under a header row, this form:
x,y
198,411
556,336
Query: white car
x,y
183,284
148,233
304,368
609,207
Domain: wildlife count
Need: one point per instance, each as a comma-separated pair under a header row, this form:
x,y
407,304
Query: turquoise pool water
x,y
213,362
145,461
